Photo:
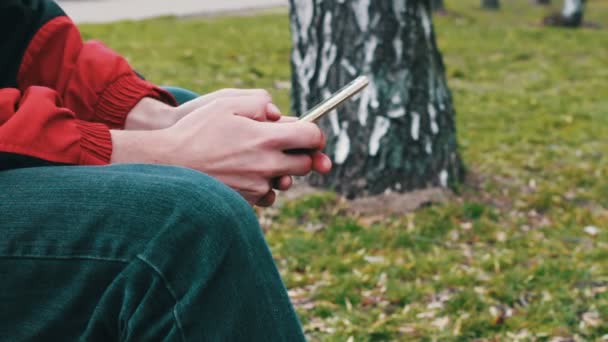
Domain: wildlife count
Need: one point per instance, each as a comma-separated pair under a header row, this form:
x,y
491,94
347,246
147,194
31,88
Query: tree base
x,y
558,20
385,204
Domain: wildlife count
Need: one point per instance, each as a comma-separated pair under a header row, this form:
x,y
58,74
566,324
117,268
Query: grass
x,y
509,258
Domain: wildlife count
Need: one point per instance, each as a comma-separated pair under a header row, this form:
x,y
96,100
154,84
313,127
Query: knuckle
x,y
262,188
227,91
265,169
318,135
305,166
217,103
267,173
315,135
264,94
272,141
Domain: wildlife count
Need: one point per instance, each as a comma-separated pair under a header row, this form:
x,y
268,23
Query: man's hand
x,y
216,139
151,114
271,113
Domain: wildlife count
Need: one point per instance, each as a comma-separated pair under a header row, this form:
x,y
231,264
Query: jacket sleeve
x,y
35,129
92,80
59,96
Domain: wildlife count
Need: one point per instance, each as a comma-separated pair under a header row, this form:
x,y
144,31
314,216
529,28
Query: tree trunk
x,y
438,5
571,15
490,4
573,12
399,134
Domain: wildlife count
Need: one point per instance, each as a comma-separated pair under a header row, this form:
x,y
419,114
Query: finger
x,y
283,183
252,107
286,119
268,199
293,165
273,113
208,98
321,162
294,136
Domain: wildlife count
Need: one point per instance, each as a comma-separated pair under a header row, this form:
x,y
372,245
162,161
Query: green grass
x,y
507,258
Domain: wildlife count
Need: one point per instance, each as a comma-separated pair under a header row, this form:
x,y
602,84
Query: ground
x,y
519,252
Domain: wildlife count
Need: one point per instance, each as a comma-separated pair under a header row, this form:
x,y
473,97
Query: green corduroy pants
x,y
134,253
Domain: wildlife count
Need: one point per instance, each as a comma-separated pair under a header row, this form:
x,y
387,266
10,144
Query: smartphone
x,y
336,99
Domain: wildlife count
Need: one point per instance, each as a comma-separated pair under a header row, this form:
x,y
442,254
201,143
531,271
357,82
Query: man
x,y
96,247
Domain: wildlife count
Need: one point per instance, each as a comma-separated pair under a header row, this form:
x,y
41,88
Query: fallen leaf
x,y
426,314
592,230
372,259
349,305
410,330
315,227
441,323
561,339
592,319
466,225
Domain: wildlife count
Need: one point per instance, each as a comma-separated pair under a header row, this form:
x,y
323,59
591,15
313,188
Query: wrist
x,y
146,147
151,114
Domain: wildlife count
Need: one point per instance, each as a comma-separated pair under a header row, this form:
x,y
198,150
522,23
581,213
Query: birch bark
x,y
399,134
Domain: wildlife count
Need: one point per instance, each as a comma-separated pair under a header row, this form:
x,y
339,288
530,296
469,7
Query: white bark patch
x,y
381,127
396,113
330,51
415,126
363,106
428,146
396,99
376,20
304,11
361,9
348,67
433,117
305,69
571,7
398,46
399,8
426,21
443,178
342,145
335,124
333,115
368,96
370,50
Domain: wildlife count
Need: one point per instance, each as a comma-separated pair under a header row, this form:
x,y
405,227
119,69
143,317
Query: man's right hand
x,y
244,154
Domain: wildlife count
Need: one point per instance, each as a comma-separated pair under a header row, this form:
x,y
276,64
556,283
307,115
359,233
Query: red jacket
x,y
60,96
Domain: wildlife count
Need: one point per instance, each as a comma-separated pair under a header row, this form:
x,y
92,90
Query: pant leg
x,y
134,253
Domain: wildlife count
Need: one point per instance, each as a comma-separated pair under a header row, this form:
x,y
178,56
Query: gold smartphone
x,y
335,100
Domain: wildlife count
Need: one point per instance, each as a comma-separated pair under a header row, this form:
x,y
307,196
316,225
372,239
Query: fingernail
x,y
273,109
328,163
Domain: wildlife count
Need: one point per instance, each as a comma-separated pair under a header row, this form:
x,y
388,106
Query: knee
x,y
206,224
179,195
210,203
208,221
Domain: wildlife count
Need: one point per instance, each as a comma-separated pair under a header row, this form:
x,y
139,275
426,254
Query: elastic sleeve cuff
x,y
95,142
122,95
